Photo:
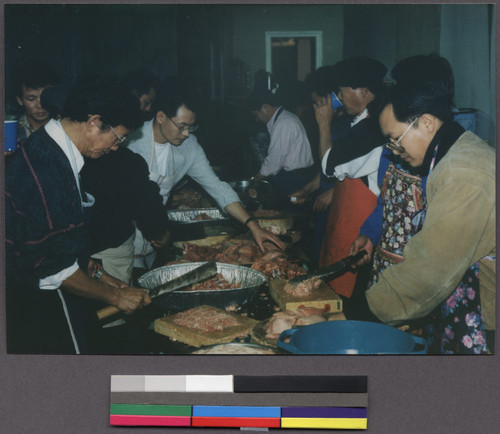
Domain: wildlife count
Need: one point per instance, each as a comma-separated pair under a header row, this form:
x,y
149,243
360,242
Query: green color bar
x,y
150,410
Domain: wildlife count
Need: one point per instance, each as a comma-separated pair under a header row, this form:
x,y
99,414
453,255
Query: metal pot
x,y
177,301
351,337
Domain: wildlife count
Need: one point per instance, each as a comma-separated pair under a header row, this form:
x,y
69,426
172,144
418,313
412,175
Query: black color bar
x,y
301,383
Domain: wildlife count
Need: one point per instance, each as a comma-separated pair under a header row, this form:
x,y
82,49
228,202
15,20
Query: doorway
x,y
291,56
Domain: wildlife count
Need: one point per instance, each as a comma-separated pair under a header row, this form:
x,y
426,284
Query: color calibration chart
x,y
239,401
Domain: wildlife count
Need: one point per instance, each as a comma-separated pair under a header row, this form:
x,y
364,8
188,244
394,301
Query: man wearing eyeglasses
x,y
47,210
446,280
387,230
171,151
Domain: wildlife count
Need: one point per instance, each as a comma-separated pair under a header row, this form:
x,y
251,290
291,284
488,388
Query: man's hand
x,y
362,243
260,235
162,242
323,201
130,299
323,110
300,197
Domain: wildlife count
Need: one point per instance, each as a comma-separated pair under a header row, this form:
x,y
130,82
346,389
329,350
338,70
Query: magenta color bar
x,y
129,420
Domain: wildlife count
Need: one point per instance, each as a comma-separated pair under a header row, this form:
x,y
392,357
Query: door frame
x,y
317,34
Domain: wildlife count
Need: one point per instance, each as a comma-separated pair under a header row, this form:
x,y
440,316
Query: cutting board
x,y
322,297
197,338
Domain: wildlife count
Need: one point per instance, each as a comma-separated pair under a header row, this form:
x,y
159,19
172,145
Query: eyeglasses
x,y
396,146
184,127
120,139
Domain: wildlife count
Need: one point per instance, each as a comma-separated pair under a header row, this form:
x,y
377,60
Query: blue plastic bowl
x,y
351,337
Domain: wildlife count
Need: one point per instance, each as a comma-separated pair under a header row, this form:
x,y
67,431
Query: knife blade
x,y
194,276
328,273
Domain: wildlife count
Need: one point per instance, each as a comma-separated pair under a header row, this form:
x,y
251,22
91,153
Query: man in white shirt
x,y
289,159
171,152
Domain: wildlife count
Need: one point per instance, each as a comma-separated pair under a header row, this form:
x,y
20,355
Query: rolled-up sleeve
x,y
202,173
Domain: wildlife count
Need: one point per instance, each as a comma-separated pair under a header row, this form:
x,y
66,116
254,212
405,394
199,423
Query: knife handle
x,y
107,312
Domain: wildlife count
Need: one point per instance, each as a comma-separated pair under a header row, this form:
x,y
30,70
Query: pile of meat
x,y
202,216
276,266
186,199
244,251
214,283
206,319
302,289
285,320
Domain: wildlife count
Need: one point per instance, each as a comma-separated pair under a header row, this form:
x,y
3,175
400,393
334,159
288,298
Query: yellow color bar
x,y
316,422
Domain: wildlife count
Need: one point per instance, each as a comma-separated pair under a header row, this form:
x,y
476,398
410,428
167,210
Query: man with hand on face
x,y
49,278
352,159
171,151
33,77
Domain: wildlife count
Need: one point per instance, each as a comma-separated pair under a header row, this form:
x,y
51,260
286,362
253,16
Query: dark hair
x,y
426,68
362,71
412,99
173,96
53,97
34,74
106,98
139,82
257,99
323,80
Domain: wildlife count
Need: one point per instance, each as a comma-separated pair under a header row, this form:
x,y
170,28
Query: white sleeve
x,y
55,281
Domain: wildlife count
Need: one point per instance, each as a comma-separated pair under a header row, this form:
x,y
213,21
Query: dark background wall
x,y
218,48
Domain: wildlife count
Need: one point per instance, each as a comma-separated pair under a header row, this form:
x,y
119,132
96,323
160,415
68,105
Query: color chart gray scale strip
x,y
322,402
239,383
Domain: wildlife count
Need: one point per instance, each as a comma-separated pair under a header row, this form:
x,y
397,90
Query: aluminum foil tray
x,y
177,301
187,216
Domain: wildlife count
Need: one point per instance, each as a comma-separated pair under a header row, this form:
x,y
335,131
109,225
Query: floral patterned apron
x,y
457,325
402,198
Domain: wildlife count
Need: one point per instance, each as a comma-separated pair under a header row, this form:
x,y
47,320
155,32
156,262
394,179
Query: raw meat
x,y
214,283
206,319
285,320
302,289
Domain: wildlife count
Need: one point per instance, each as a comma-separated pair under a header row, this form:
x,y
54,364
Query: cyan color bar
x,y
230,411
324,412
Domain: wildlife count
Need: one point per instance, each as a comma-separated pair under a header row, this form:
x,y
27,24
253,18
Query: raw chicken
x,y
285,320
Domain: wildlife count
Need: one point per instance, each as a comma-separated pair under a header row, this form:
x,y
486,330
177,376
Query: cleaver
x,y
194,276
332,271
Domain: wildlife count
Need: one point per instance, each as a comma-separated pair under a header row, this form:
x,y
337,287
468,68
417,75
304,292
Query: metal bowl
x,y
177,301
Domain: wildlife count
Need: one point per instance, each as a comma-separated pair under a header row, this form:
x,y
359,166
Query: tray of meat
x,y
197,224
248,281
204,325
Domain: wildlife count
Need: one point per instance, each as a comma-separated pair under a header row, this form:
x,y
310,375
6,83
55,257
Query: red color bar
x,y
132,420
238,422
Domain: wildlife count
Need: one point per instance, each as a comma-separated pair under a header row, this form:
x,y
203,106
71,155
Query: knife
x,y
194,276
328,273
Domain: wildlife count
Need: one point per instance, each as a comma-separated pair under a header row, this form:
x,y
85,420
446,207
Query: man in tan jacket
x,y
447,278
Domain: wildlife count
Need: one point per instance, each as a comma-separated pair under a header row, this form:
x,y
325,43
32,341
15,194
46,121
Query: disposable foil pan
x,y
177,301
187,216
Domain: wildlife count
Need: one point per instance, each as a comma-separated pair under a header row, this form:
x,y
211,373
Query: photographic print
x,y
250,179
